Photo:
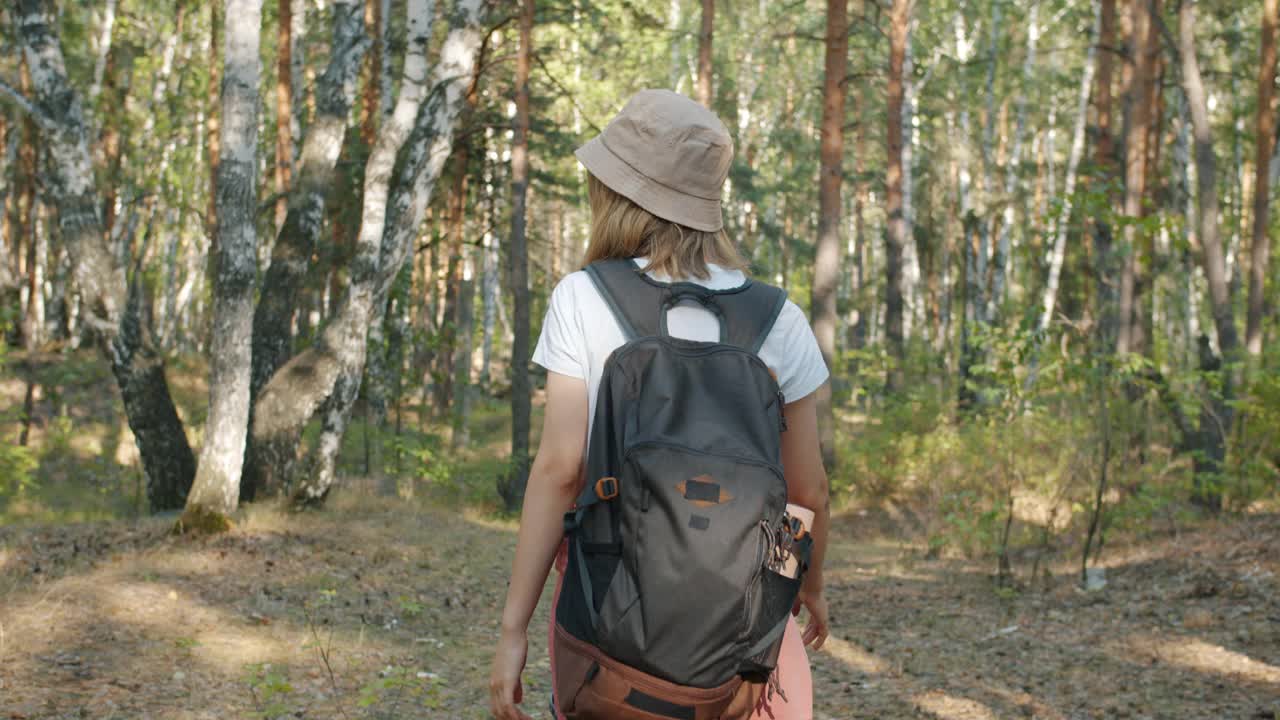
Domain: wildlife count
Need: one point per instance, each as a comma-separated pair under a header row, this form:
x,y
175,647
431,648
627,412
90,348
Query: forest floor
x,y
381,608
388,608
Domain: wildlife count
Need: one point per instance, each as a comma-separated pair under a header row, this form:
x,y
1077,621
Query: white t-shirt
x,y
579,333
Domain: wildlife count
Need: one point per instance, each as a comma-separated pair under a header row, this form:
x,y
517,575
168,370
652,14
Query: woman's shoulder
x,y
573,288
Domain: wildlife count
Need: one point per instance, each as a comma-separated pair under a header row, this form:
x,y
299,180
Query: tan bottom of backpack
x,y
591,686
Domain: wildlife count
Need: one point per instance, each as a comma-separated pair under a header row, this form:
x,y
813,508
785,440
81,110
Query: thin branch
x,y
566,92
24,104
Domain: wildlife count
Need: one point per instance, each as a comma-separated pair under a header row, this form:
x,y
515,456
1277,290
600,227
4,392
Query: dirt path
x,y
119,621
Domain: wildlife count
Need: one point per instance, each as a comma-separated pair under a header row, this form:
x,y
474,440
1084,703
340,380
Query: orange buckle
x,y
607,488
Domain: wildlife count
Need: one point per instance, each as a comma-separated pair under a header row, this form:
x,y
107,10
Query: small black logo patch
x,y
699,522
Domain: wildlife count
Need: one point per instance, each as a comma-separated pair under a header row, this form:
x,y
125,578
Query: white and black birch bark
x,y
138,368
103,49
216,491
266,465
1063,222
329,372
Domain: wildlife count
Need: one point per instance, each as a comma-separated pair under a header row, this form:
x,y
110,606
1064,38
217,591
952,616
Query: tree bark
x,y
103,49
1062,224
826,266
1103,160
1220,295
292,252
284,108
216,492
895,251
512,490
1259,257
704,51
1145,44
139,370
1000,259
297,72
329,372
462,351
212,133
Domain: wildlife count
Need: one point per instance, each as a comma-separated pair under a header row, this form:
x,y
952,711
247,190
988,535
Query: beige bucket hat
x,y
667,154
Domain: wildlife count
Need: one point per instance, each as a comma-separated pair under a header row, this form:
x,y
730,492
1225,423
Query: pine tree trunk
x,y
266,464
216,492
1259,257
826,266
297,73
284,108
213,135
704,51
513,486
139,370
895,250
1104,162
329,372
489,283
462,352
1146,45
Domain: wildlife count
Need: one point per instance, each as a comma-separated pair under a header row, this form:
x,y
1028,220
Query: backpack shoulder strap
x,y
636,304
747,313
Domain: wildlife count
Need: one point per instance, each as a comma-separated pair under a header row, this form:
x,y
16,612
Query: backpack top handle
x,y
640,304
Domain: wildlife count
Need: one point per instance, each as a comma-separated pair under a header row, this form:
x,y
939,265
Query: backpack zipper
x,y
749,610
777,470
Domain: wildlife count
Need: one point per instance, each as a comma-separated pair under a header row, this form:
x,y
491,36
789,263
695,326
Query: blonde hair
x,y
622,229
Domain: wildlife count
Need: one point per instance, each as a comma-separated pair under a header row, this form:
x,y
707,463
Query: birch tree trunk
x,y
281,293
1213,430
104,48
216,491
1062,224
895,250
138,368
1260,253
826,266
329,372
704,51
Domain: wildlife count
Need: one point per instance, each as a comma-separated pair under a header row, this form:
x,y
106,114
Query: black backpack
x,y
670,604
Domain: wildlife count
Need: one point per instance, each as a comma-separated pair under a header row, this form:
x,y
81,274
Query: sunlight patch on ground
x,y
214,636
1028,704
950,707
478,518
854,656
1204,657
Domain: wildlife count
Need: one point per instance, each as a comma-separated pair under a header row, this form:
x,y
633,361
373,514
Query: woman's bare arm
x,y
551,490
553,486
807,486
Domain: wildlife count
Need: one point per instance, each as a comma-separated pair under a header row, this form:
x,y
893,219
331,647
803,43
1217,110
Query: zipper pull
x,y
782,415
